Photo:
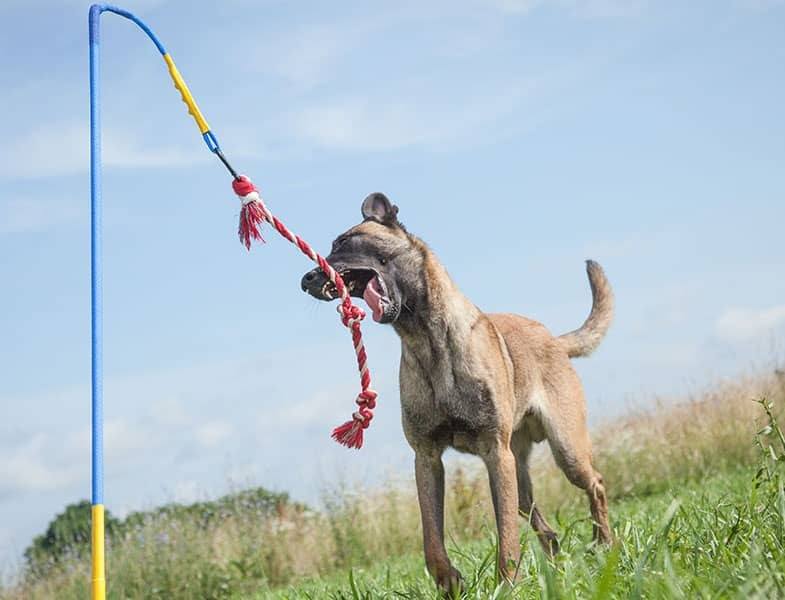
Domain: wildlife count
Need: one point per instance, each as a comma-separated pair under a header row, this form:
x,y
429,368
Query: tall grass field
x,y
696,502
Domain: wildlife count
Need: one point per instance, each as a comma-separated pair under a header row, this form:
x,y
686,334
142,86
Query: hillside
x,y
697,505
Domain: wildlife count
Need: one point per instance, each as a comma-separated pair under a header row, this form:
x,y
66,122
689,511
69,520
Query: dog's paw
x,y
450,583
550,543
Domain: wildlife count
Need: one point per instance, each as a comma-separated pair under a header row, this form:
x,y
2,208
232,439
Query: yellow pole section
x,y
99,575
185,93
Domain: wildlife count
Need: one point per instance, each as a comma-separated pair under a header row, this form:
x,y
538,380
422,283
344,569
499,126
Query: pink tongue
x,y
373,298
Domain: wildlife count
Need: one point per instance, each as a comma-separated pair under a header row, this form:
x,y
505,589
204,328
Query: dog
x,y
487,384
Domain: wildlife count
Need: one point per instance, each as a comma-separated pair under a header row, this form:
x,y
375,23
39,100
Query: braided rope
x,y
253,212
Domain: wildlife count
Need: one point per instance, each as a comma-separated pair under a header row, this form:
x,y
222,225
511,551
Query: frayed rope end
x,y
251,213
251,217
350,434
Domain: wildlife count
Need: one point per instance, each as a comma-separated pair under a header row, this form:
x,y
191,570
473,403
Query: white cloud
x,y
605,8
580,8
760,4
306,56
356,124
365,124
170,412
319,407
187,492
634,244
517,6
26,215
59,149
25,468
62,149
127,150
740,324
213,433
122,441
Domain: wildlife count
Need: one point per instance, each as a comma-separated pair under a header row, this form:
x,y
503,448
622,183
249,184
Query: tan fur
x,y
584,341
535,395
487,384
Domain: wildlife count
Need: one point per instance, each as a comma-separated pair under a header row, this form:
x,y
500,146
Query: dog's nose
x,y
307,280
313,282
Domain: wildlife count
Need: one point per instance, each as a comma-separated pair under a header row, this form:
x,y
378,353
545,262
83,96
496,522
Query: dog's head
x,y
377,260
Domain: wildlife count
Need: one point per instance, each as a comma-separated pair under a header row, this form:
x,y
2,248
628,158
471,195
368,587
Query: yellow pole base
x,y
98,586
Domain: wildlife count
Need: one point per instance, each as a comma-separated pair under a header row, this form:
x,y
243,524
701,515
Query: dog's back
x,y
546,384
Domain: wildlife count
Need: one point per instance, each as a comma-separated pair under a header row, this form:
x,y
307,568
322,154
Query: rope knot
x,y
367,398
363,417
351,314
243,186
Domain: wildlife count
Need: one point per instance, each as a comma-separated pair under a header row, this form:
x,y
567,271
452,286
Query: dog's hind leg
x,y
571,448
521,446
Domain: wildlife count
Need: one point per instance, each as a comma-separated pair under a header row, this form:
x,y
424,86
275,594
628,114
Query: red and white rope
x,y
253,212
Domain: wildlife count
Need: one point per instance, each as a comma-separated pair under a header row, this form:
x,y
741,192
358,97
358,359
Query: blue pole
x,y
98,583
95,258
96,269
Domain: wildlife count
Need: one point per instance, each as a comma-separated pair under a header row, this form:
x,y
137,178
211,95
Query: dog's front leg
x,y
500,461
429,474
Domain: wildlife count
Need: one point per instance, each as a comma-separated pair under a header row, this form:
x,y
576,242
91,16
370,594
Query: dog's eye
x,y
382,260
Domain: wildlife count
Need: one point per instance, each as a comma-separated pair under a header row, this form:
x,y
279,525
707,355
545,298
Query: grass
x,y
718,538
697,505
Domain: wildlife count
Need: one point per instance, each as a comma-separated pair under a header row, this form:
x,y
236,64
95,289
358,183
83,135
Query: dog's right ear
x,y
378,207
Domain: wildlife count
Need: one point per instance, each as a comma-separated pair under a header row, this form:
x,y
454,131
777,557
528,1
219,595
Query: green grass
x,y
696,503
720,537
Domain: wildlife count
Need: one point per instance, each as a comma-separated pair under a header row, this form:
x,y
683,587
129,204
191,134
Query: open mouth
x,y
365,284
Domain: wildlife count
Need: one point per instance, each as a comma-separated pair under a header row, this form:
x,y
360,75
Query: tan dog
x,y
487,384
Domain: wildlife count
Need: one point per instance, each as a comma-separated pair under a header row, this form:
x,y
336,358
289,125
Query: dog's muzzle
x,y
315,283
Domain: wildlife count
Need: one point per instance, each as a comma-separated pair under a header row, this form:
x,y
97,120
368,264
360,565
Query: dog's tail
x,y
584,340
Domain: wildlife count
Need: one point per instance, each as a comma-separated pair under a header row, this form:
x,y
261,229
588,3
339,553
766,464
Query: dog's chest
x,y
445,402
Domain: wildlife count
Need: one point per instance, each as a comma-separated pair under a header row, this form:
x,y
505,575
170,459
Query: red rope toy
x,y
253,212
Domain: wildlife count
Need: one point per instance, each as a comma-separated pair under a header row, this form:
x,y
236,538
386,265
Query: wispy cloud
x,y
213,433
56,149
187,491
319,407
36,214
635,244
760,4
124,149
306,56
363,123
29,467
603,9
517,6
44,461
123,440
742,324
579,8
61,148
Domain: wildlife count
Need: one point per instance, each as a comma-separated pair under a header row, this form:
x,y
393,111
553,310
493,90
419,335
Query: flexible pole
x,y
98,583
252,213
98,534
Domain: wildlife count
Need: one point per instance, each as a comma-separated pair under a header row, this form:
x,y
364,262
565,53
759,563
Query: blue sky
x,y
518,137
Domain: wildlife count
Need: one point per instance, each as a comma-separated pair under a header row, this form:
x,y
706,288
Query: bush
x,y
67,537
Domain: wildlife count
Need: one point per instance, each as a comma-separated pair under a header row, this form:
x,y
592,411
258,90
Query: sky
x,y
518,138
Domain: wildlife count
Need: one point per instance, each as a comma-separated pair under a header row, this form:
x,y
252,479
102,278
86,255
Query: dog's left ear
x,y
378,207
